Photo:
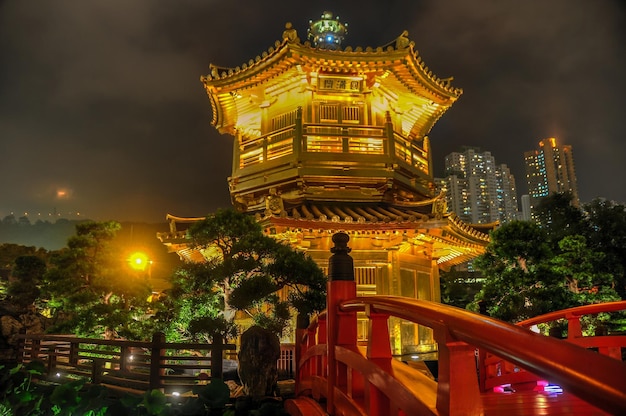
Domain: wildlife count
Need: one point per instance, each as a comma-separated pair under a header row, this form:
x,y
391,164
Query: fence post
x,y
21,346
341,325
35,349
52,359
217,365
157,352
73,358
96,370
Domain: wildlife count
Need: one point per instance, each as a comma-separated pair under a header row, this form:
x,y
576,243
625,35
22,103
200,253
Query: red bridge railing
x,y
496,371
352,380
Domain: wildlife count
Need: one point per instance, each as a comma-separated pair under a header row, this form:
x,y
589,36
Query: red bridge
x,y
485,366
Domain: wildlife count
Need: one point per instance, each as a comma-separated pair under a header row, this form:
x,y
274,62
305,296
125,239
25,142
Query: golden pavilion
x,y
330,138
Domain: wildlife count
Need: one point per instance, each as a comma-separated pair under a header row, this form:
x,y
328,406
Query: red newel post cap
x,y
340,264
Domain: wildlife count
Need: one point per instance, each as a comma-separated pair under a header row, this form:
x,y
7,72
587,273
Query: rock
x,y
10,328
258,356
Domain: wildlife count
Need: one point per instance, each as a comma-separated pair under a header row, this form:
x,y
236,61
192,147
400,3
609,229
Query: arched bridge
x,y
485,366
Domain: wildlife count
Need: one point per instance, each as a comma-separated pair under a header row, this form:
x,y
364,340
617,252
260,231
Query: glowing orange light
x,y
138,261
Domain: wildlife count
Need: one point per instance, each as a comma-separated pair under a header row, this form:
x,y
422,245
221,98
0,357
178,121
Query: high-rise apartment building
x,y
478,190
550,169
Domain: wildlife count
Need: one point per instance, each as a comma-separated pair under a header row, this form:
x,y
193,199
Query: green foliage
x,y
559,218
562,262
607,234
27,274
90,290
18,393
23,392
459,288
23,289
215,327
244,270
154,401
214,395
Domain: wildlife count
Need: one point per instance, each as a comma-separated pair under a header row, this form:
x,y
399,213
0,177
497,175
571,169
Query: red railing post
x,y
574,329
311,365
458,392
302,323
322,327
378,352
341,326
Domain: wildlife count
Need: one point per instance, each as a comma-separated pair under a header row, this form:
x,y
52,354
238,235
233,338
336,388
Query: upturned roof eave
x,y
289,54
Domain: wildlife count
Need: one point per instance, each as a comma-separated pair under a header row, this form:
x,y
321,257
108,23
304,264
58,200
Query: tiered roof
x,y
395,69
397,75
450,239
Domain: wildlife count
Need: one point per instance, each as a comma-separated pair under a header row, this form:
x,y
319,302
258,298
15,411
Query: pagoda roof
x,y
447,234
397,67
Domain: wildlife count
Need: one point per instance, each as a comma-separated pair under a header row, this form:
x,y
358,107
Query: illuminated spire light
x,y
327,32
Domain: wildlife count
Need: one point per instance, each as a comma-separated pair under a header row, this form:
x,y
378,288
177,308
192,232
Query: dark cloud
x,y
103,97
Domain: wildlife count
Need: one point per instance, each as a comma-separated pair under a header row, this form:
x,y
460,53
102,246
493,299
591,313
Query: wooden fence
x,y
132,365
139,366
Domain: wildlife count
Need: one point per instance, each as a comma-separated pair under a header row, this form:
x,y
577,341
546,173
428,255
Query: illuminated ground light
x,y
542,386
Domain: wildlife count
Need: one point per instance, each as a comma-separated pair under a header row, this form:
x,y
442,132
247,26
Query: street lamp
x,y
139,261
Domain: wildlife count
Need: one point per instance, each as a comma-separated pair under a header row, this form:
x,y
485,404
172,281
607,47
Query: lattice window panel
x,y
351,114
283,120
329,113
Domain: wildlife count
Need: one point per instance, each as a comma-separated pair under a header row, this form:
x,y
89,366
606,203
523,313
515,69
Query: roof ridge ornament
x,y
402,41
290,34
327,32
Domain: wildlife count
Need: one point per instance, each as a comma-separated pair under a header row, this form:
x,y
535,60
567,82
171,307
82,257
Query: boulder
x,y
258,356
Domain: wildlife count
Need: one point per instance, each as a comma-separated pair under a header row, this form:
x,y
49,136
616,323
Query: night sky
x,y
102,111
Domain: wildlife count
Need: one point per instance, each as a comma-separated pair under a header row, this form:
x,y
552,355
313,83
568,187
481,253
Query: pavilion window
x,y
365,276
351,114
329,113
